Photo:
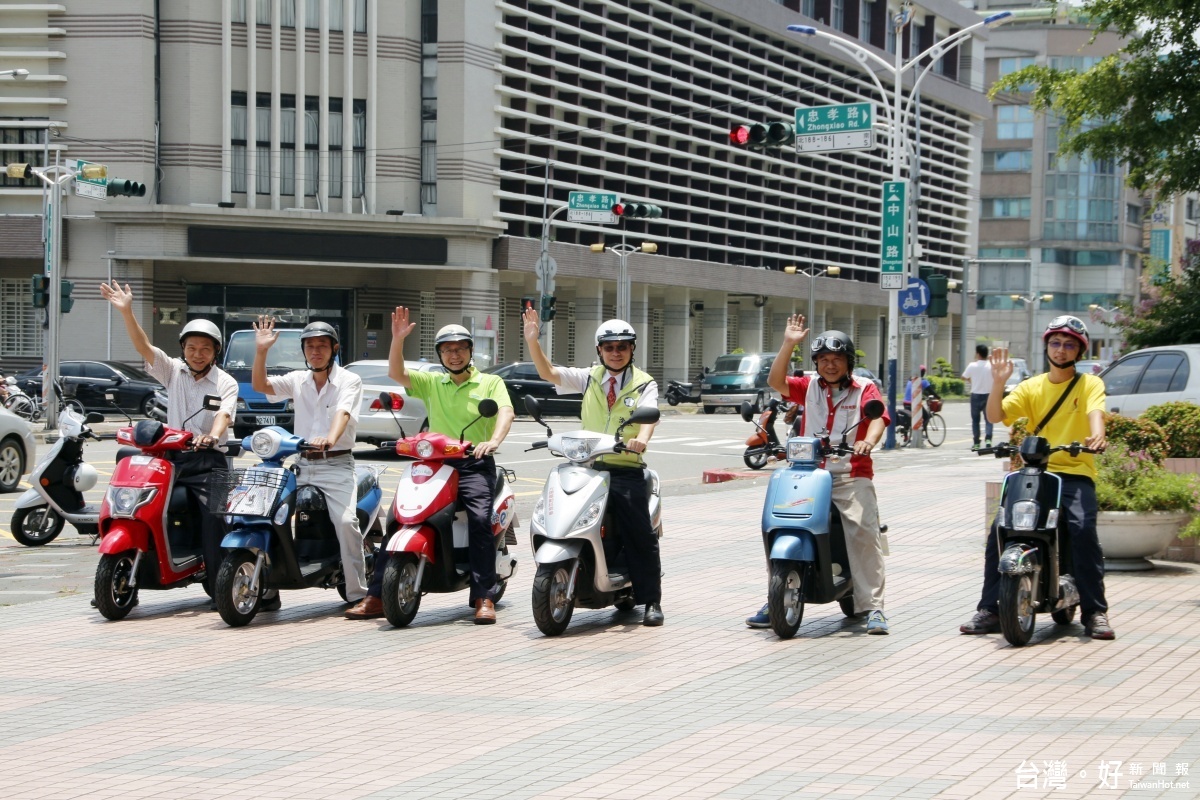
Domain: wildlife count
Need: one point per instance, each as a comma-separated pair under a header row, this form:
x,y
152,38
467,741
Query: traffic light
x,y
939,303
637,211
41,291
65,300
120,186
547,307
759,136
528,302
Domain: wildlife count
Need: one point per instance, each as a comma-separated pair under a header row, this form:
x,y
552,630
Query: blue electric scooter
x,y
263,550
802,531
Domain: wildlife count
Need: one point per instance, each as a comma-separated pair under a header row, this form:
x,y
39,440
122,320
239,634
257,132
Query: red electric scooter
x,y
145,513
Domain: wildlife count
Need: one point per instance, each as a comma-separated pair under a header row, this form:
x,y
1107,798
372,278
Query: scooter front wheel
x,y
115,597
755,457
36,526
672,399
1016,608
785,598
552,609
236,604
401,595
1064,617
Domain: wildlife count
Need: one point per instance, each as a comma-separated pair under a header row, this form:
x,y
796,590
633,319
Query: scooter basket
x,y
246,491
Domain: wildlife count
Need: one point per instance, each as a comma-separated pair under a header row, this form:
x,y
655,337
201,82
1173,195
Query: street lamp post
x,y
1031,300
896,117
15,74
813,273
624,290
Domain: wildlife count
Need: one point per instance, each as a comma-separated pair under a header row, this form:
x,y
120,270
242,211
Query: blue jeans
x,y
979,409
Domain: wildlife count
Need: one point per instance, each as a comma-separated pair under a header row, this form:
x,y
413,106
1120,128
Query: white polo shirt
x,y
185,394
315,410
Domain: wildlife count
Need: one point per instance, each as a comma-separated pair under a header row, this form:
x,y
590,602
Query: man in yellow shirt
x,y
1080,418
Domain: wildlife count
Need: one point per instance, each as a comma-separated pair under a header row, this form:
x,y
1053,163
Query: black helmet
x,y
834,342
314,330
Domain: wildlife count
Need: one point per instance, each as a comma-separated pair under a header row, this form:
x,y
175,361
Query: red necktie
x,y
612,392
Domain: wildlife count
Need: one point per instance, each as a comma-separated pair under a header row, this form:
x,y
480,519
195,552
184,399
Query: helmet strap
x,y
470,361
328,367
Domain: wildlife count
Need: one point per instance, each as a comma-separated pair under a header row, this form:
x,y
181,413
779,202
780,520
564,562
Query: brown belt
x,y
320,455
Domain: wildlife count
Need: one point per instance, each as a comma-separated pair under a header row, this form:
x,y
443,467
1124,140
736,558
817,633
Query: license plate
x,y
265,420
726,398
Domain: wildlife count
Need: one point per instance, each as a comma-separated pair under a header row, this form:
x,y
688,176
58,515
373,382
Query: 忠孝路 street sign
x,y
847,126
592,207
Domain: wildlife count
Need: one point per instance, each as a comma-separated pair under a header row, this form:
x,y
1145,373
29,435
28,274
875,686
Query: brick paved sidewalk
x,y
303,704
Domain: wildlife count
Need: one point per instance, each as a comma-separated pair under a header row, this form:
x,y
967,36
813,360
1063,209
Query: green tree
x,y
1169,312
1139,106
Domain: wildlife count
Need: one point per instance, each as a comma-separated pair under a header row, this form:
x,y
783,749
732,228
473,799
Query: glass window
x,y
808,8
1003,252
1007,208
838,14
1007,160
1014,122
864,19
1179,382
238,12
1161,373
1123,377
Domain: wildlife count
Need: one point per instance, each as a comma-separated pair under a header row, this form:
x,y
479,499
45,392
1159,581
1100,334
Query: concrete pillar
x,y
469,298
589,313
715,312
638,318
750,326
868,340
676,335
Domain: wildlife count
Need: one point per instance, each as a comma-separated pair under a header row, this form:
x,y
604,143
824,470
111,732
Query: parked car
x,y
375,422
1152,376
1092,366
254,410
736,377
17,450
1020,372
90,379
521,378
863,372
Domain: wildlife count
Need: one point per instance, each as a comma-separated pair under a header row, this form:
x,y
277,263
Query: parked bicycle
x,y
33,408
935,425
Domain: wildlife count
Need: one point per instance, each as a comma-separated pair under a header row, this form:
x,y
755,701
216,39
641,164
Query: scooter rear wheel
x,y
1016,608
236,604
401,595
672,399
785,598
36,526
755,457
115,598
552,609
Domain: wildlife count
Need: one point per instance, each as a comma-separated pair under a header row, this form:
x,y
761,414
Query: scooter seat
x,y
124,453
365,482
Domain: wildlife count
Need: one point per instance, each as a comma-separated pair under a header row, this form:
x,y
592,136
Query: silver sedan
x,y
17,450
378,423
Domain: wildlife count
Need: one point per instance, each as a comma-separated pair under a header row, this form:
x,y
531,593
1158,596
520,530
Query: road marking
x,y
28,591
670,439
29,577
712,442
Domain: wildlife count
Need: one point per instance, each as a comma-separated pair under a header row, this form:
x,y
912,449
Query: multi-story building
x,y
1070,229
336,158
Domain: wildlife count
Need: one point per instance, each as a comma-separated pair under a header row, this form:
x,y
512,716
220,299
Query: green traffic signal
x,y
66,302
41,291
548,310
939,302
126,188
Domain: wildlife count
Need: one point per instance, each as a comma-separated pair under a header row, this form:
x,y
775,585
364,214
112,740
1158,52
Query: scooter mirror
x,y
747,411
488,407
643,416
533,408
873,409
111,396
212,402
393,401
93,417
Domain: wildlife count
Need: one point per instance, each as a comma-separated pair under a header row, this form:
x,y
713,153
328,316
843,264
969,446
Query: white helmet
x,y
615,330
453,333
202,327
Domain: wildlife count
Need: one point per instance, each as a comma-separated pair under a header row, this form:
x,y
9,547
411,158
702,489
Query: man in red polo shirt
x,y
833,401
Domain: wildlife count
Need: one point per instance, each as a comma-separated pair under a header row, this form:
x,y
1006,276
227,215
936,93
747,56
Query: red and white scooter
x,y
427,529
145,514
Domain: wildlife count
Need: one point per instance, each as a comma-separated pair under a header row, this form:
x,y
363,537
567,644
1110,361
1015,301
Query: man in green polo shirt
x,y
452,402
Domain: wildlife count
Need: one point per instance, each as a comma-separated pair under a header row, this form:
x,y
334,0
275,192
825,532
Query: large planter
x,y
1129,538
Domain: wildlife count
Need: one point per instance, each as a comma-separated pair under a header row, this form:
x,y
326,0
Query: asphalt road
x,y
685,444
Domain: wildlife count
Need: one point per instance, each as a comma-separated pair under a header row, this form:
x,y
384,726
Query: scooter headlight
x,y
539,512
124,501
424,448
1024,515
802,450
265,443
577,449
588,517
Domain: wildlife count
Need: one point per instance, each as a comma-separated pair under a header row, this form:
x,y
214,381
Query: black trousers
x,y
1087,559
191,471
629,507
476,491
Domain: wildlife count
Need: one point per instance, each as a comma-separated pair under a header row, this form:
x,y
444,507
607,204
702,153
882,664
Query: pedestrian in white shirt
x,y
979,374
327,400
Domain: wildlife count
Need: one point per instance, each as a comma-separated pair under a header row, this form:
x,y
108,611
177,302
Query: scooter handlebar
x,y
541,444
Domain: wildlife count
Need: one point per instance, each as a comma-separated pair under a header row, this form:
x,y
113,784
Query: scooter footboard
x,y
125,535
552,552
794,546
416,539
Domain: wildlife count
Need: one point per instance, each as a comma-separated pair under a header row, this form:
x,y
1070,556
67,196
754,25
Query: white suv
x,y
1152,376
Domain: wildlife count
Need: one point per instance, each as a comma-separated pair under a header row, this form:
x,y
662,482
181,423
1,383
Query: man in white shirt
x,y
979,374
327,400
188,380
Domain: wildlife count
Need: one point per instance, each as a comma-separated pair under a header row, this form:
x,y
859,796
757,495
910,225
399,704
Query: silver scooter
x,y
59,481
569,524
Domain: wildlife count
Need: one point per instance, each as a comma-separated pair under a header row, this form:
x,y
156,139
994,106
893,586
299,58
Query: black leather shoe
x,y
654,615
271,604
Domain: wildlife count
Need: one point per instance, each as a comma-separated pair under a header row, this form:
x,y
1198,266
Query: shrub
x,y
947,387
1180,422
943,368
1138,434
1131,480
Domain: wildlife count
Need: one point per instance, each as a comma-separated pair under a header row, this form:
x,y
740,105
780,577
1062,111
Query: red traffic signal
x,y
637,211
739,136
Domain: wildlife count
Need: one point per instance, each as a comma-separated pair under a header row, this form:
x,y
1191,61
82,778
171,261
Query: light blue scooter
x,y
802,531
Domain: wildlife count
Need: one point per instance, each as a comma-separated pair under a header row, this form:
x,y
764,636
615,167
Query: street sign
x,y
95,188
592,207
546,269
839,127
915,299
914,326
893,234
